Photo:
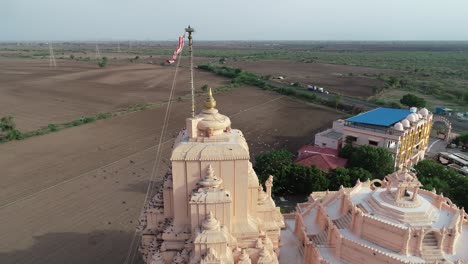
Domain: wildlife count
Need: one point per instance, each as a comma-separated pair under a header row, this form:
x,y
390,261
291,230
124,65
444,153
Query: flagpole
x,y
190,30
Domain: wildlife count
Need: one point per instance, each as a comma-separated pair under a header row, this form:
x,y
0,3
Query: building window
x,y
373,143
350,139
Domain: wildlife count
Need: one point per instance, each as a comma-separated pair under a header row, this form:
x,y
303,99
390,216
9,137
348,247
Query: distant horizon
x,y
214,40
242,20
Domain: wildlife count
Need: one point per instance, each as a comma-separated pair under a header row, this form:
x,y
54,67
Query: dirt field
x,y
74,196
341,79
36,95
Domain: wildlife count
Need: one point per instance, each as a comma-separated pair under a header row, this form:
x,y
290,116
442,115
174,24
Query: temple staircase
x,y
320,238
343,222
430,252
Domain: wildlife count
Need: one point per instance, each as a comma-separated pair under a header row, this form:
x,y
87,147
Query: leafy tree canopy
x,y
411,100
291,178
378,161
452,184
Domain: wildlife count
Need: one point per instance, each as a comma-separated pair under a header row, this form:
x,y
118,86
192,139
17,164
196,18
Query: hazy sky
x,y
234,20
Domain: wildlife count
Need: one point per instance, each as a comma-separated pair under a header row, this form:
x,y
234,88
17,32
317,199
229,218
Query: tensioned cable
x,y
134,244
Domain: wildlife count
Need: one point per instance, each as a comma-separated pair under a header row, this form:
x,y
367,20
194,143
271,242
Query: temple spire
x,y
210,102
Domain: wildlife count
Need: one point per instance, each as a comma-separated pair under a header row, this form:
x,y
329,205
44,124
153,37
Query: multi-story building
x,y
404,133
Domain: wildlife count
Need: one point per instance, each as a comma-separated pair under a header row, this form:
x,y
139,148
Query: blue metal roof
x,y
380,116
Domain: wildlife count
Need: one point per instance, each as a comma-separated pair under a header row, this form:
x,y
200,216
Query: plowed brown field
x,y
37,95
74,196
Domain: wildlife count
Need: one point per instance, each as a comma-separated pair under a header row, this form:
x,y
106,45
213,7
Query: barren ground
x,y
74,196
36,95
341,79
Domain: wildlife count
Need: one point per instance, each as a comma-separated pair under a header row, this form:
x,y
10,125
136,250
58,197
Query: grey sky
x,y
234,20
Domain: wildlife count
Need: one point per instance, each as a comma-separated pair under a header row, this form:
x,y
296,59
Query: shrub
x,y
7,123
103,115
14,135
103,62
52,127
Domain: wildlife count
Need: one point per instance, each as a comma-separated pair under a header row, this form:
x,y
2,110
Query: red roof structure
x,y
323,158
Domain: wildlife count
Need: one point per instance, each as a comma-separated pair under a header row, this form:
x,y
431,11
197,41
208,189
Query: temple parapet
x,y
388,221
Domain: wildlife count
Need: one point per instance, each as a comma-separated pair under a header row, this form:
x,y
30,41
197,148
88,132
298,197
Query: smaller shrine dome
x,y
212,121
405,123
210,181
210,222
424,112
398,126
412,117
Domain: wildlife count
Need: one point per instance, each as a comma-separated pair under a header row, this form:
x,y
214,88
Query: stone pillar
x,y
443,233
358,222
269,185
420,241
338,246
406,242
415,194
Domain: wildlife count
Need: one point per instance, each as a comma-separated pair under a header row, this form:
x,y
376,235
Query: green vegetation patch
x,y
239,77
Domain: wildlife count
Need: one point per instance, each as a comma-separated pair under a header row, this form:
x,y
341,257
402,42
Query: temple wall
x,y
238,191
186,175
355,253
220,210
383,234
180,194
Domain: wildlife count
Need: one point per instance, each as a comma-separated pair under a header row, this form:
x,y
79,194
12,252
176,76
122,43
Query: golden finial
x,y
210,102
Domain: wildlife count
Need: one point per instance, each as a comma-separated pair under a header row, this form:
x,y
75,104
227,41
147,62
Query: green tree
x,y
436,176
461,140
378,161
273,163
103,62
338,177
411,100
302,180
346,177
359,173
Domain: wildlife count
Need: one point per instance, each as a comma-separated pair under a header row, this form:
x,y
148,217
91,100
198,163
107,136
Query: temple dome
x,y
405,123
398,126
211,119
210,222
210,181
424,112
412,117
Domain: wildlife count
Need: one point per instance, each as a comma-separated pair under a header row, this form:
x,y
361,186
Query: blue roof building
x,y
382,116
386,128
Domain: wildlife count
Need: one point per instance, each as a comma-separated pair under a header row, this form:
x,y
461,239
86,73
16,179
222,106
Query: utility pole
x,y
190,30
52,62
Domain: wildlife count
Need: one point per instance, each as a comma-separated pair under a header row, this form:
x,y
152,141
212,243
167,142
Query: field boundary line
x,y
255,106
78,176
